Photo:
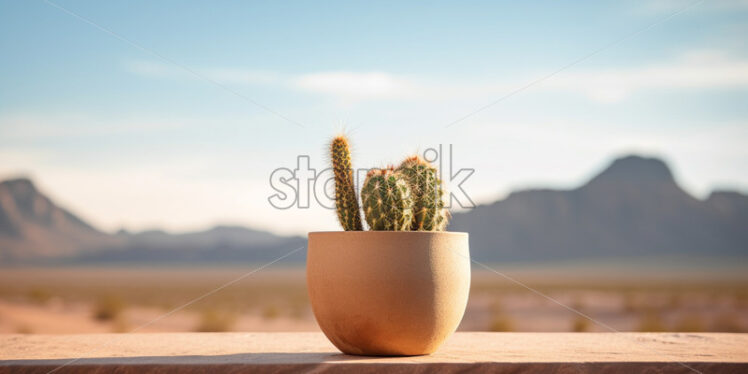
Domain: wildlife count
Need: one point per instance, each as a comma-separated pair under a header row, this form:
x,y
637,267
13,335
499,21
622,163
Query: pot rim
x,y
372,232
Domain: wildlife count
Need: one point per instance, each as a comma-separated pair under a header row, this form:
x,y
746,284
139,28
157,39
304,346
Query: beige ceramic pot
x,y
388,292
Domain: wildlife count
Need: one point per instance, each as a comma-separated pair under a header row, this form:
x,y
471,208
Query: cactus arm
x,y
346,201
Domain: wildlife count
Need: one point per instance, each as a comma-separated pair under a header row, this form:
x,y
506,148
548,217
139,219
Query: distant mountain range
x,y
633,208
35,230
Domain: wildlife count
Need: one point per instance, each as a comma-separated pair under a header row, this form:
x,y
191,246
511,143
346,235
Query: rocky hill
x,y
632,208
33,227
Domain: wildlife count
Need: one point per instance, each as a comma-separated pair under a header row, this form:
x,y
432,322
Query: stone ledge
x,y
290,352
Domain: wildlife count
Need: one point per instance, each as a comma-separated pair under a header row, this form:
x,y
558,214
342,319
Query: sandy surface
x,y
28,318
62,301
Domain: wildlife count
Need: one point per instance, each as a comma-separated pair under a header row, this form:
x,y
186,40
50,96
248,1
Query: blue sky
x,y
132,133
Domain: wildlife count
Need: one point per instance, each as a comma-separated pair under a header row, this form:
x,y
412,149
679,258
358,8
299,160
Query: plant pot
x,y
388,293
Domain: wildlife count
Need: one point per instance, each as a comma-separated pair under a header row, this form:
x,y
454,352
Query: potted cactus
x,y
400,288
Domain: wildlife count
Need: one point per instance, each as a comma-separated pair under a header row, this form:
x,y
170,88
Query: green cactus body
x,y
387,201
429,213
442,220
346,202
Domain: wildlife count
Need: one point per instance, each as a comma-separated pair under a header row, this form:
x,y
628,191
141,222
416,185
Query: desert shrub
x,y
39,295
727,322
689,323
213,321
24,329
270,312
651,322
501,322
580,324
108,307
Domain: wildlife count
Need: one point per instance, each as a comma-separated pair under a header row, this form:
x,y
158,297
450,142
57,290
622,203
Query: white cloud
x,y
344,85
698,69
693,70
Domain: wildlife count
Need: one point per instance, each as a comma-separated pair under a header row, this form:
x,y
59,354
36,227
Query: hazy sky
x,y
142,114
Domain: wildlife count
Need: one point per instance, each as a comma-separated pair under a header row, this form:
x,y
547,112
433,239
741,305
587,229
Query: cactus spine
x,y
429,213
346,201
387,201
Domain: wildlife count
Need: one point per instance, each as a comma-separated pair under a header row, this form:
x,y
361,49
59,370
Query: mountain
x,y
32,226
33,229
632,208
221,244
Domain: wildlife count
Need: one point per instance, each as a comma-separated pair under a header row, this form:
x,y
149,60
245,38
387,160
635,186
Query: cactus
x,y
387,200
407,198
429,213
346,201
